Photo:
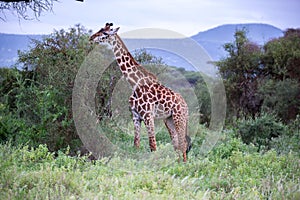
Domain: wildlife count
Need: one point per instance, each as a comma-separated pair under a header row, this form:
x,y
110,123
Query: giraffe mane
x,y
141,68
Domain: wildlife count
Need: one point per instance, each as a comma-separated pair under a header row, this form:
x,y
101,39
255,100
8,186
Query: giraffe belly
x,y
161,112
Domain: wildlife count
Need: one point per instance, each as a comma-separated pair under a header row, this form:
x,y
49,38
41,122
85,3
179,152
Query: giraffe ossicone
x,y
149,99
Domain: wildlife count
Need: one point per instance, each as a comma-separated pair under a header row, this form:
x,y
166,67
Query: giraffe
x,y
149,99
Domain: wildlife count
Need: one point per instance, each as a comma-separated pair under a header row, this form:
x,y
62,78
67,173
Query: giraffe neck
x,y
132,71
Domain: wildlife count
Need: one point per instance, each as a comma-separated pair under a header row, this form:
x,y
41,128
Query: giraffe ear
x,y
114,31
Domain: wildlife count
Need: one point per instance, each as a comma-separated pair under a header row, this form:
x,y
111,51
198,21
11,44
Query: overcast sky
x,y
187,17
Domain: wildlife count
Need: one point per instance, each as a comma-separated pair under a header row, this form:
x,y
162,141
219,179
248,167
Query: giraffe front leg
x,y
149,122
137,128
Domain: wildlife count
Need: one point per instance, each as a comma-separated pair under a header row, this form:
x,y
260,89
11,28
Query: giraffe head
x,y
105,35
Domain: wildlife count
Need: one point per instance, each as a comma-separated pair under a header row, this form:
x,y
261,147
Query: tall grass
x,y
232,170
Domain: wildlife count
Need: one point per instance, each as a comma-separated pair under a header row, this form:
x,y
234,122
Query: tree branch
x,y
24,8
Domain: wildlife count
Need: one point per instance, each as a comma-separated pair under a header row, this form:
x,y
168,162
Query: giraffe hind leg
x,y
184,156
172,131
180,123
174,136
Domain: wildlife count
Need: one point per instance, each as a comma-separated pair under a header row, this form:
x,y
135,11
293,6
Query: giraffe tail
x,y
189,143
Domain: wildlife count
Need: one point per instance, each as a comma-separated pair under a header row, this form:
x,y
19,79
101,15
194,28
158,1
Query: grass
x,y
232,170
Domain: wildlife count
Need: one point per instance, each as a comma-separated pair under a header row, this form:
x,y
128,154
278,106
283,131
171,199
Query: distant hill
x,y
211,40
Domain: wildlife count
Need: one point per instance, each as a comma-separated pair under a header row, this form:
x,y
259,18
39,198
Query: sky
x,y
187,17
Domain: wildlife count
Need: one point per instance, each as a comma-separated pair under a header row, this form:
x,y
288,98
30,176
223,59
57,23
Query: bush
x,y
280,100
261,129
33,114
36,102
227,147
289,142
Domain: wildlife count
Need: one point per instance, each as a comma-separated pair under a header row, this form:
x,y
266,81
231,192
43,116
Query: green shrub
x,y
261,129
289,142
33,114
227,147
280,100
17,131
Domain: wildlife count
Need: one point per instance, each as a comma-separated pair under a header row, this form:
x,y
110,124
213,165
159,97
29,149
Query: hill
x,y
211,40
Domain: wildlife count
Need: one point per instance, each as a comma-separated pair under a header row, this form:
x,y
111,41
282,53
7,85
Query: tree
x,y
263,79
24,9
281,86
281,58
280,97
46,103
241,71
144,57
57,58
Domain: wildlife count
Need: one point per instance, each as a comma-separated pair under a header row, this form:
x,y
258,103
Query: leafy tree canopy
x,y
257,77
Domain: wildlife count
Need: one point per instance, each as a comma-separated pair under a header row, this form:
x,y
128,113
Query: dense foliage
x,y
256,78
257,156
36,102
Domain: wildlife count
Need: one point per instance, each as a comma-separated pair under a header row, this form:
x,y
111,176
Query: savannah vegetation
x,y
256,157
